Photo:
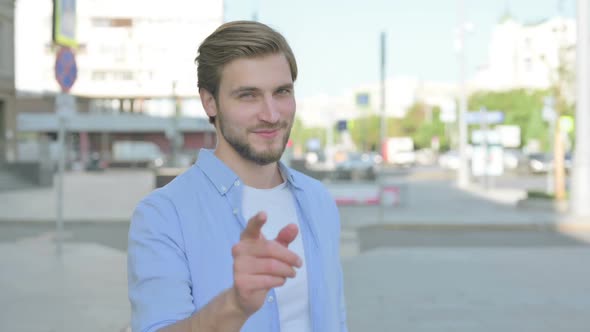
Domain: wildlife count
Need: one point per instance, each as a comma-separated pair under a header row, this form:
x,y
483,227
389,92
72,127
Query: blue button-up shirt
x,y
180,240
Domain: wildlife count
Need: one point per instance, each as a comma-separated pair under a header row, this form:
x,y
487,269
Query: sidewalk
x,y
109,196
439,203
112,196
84,290
412,289
541,289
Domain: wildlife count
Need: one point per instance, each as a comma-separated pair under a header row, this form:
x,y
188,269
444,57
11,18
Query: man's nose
x,y
269,111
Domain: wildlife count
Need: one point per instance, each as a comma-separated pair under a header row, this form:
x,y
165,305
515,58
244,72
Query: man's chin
x,y
266,157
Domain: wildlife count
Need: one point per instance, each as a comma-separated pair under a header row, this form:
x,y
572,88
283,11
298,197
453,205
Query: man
x,y
239,242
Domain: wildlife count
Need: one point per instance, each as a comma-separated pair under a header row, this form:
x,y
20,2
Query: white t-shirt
x,y
292,297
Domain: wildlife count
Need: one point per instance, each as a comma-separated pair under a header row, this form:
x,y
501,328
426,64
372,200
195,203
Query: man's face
x,y
255,107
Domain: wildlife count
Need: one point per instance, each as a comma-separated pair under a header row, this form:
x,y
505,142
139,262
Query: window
x,y
105,22
102,75
4,52
528,65
99,75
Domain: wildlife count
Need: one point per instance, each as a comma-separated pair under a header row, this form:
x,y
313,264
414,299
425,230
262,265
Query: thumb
x,y
287,235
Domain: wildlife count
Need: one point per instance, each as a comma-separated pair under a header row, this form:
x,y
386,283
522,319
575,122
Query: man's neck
x,y
252,174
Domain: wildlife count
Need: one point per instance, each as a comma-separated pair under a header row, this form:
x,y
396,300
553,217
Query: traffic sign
x,y
65,104
342,125
490,117
64,22
66,70
362,99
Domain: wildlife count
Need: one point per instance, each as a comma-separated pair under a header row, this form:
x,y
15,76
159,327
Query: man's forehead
x,y
263,72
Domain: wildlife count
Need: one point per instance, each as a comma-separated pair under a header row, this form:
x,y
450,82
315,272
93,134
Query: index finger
x,y
252,230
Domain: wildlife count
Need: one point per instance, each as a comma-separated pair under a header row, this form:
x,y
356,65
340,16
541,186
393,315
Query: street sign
x,y
491,117
66,70
510,135
548,112
64,22
566,124
65,105
362,99
487,160
491,137
342,125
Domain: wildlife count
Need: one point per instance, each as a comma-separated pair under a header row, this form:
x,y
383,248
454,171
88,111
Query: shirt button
x,y
223,189
237,183
235,211
270,299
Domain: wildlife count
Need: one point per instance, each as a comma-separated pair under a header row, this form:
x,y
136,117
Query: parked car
x,y
449,160
358,166
543,162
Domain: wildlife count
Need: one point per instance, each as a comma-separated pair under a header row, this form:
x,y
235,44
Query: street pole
x,y
176,134
61,139
462,175
581,171
485,144
550,173
382,105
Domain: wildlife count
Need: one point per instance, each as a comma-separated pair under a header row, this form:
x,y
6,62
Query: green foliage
x,y
301,134
535,194
366,132
521,107
422,123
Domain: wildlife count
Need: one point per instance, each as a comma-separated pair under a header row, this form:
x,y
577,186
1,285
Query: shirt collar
x,y
223,178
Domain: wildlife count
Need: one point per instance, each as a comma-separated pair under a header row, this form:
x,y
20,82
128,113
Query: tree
x,y
422,123
521,107
300,134
365,132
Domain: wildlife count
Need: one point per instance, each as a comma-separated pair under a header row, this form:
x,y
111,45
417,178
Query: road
x,y
426,280
397,277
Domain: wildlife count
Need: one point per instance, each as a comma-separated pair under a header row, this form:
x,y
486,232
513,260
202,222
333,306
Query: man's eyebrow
x,y
286,86
244,89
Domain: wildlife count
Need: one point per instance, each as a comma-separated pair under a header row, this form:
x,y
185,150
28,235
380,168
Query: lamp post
x,y
463,170
581,171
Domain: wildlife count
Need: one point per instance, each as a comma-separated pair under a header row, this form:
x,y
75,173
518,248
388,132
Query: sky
x,y
336,42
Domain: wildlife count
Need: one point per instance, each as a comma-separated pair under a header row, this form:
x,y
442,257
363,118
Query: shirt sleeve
x,y
341,300
159,283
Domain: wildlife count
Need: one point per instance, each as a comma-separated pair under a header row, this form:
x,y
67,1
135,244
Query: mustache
x,y
270,127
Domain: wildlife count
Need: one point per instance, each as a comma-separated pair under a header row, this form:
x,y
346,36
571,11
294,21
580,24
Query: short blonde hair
x,y
234,40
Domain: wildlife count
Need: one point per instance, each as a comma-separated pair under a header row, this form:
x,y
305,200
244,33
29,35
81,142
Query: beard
x,y
241,145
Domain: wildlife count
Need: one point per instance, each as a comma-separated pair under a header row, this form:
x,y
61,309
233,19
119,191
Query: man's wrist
x,y
223,313
232,305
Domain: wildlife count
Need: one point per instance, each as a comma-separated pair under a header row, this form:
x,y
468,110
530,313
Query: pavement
x,y
488,289
83,289
107,196
424,288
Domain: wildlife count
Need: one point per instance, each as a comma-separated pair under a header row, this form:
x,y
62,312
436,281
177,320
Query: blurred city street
x,y
443,259
451,134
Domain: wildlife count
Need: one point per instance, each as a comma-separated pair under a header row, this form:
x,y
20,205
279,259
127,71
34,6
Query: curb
x,y
66,222
559,227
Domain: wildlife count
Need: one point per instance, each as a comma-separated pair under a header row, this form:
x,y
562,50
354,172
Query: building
x,y
128,49
527,55
7,91
136,74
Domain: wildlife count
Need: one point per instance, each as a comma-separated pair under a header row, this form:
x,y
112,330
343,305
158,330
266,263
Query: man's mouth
x,y
267,133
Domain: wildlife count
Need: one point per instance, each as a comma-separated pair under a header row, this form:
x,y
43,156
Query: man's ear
x,y
208,102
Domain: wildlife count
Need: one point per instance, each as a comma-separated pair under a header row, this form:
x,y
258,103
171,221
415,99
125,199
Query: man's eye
x,y
246,95
284,92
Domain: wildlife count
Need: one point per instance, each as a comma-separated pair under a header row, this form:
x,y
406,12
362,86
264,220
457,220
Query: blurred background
x,y
449,132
